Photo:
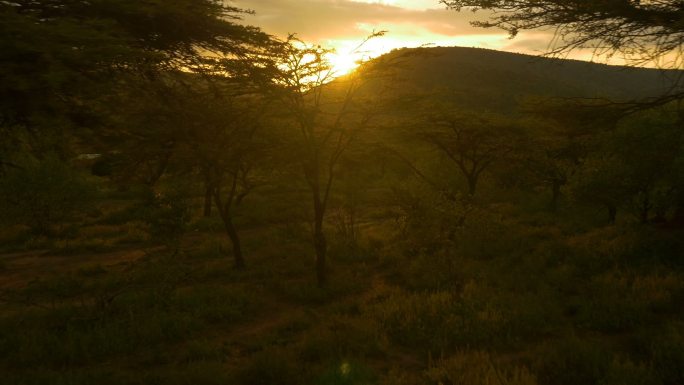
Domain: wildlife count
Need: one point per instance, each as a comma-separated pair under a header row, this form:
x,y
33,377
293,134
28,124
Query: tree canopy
x,y
61,56
645,31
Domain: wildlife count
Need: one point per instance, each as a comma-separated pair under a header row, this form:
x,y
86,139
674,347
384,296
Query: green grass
x,y
503,300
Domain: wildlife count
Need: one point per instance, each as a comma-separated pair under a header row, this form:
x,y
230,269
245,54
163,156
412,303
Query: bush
x,y
476,368
347,373
269,367
340,338
168,216
573,362
668,355
42,194
620,302
625,372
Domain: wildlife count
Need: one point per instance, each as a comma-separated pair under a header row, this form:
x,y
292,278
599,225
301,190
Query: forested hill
x,y
501,80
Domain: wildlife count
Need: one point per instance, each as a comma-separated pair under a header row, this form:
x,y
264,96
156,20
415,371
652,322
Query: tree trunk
x,y
472,184
678,218
235,240
612,214
320,243
207,200
159,170
226,217
555,194
645,209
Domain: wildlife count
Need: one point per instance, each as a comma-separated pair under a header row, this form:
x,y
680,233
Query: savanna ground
x,y
518,295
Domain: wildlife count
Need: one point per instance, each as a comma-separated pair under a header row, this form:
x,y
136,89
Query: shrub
x,y
476,368
168,216
622,301
573,361
667,353
339,338
622,372
42,194
268,367
347,373
422,321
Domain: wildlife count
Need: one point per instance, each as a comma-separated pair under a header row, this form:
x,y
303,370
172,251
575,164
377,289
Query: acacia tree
x,y
643,30
634,167
198,127
553,155
60,57
326,112
472,142
602,180
226,152
647,146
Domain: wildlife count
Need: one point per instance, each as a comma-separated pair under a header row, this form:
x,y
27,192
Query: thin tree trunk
x,y
645,209
227,219
159,170
472,184
678,218
235,240
320,244
555,194
612,214
207,200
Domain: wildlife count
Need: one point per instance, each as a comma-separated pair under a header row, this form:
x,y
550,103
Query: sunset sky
x,y
342,24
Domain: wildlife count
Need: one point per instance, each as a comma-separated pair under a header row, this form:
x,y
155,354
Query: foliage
x,y
269,367
347,373
472,141
67,61
644,30
574,361
476,367
44,194
327,116
168,215
634,166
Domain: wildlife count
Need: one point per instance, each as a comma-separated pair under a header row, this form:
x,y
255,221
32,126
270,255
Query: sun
x,y
348,54
343,64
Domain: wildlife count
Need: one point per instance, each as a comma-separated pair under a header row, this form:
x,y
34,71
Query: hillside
x,y
494,79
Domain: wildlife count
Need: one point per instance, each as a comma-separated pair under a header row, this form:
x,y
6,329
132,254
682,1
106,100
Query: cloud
x,y
327,19
344,23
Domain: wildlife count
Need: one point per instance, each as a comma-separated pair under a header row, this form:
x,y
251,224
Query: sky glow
x,y
344,24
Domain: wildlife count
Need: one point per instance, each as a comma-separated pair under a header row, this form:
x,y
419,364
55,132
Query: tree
x,y
602,180
194,126
326,113
225,152
553,156
647,145
645,31
472,142
61,57
633,166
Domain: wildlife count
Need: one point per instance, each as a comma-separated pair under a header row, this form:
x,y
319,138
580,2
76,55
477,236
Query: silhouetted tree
x,y
602,180
226,153
60,58
327,113
633,166
197,126
644,30
553,155
471,141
